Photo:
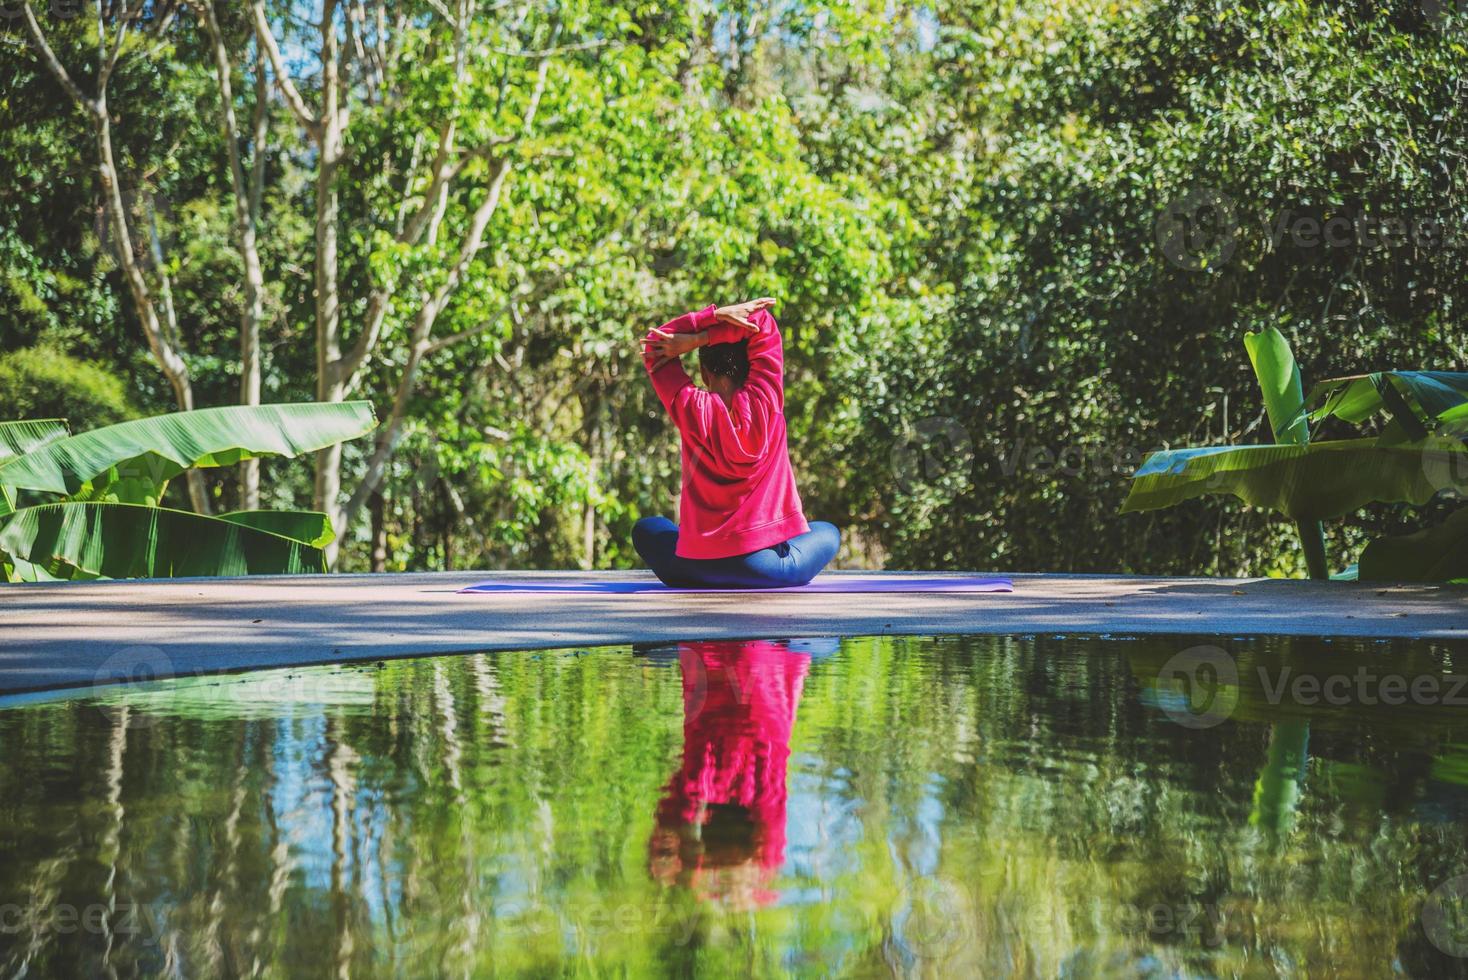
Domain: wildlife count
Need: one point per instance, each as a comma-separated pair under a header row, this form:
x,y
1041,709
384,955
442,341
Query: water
x,y
869,807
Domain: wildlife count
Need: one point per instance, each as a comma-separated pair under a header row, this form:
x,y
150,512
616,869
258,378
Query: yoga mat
x,y
821,584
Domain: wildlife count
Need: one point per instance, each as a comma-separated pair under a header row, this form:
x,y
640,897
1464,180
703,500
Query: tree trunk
x,y
160,341
173,366
588,522
247,193
329,387
591,407
377,508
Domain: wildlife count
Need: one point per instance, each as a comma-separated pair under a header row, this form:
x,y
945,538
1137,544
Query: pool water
x,y
946,806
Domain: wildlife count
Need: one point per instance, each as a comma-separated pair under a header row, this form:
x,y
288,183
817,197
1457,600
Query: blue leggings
x,y
789,563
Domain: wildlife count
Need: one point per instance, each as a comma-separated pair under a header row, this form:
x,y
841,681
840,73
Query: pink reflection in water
x,y
720,827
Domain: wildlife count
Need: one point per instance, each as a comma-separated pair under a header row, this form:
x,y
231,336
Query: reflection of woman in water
x,y
721,823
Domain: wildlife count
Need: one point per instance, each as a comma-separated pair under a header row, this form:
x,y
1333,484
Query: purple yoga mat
x,y
822,583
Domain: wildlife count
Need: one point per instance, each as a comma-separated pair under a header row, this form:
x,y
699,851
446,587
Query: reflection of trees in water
x,y
448,816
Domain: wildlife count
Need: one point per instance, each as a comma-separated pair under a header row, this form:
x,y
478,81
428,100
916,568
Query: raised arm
x,y
663,346
767,359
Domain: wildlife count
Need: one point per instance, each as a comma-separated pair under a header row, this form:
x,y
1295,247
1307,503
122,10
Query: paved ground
x,y
57,636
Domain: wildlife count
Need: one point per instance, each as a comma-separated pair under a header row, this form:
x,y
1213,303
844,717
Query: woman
x,y
742,526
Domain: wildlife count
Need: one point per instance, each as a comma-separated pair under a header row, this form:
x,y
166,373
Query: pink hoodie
x,y
738,489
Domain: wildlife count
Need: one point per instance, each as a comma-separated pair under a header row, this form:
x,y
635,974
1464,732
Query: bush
x,y
44,382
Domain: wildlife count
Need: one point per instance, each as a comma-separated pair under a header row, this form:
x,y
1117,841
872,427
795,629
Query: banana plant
x,y
88,506
1418,451
18,438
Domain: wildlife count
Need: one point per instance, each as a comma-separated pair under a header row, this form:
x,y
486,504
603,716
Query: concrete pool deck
x,y
69,636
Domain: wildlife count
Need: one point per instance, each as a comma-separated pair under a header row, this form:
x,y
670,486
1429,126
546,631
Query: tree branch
x,y
259,135
264,35
553,51
110,59
443,12
463,335
93,107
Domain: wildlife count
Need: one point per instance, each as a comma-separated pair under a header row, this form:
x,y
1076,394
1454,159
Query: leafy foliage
x,y
43,382
967,211
87,540
1309,481
112,527
132,462
1434,554
17,438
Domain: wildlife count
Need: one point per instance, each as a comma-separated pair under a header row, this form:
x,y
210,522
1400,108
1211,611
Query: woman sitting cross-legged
x,y
741,522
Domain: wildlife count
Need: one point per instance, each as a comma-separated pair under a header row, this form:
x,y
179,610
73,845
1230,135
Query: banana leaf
x,y
88,540
1305,483
18,438
133,461
1279,379
1434,554
306,526
1284,402
1415,400
1281,782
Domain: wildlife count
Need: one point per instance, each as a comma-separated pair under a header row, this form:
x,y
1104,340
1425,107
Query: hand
x,y
739,314
667,346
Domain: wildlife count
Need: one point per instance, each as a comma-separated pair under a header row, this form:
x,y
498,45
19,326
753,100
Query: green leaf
x,y
134,460
18,438
306,526
1418,398
81,540
1279,379
1306,483
1434,554
1352,399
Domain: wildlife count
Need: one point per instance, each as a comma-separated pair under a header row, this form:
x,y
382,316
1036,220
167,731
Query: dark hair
x,y
726,360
